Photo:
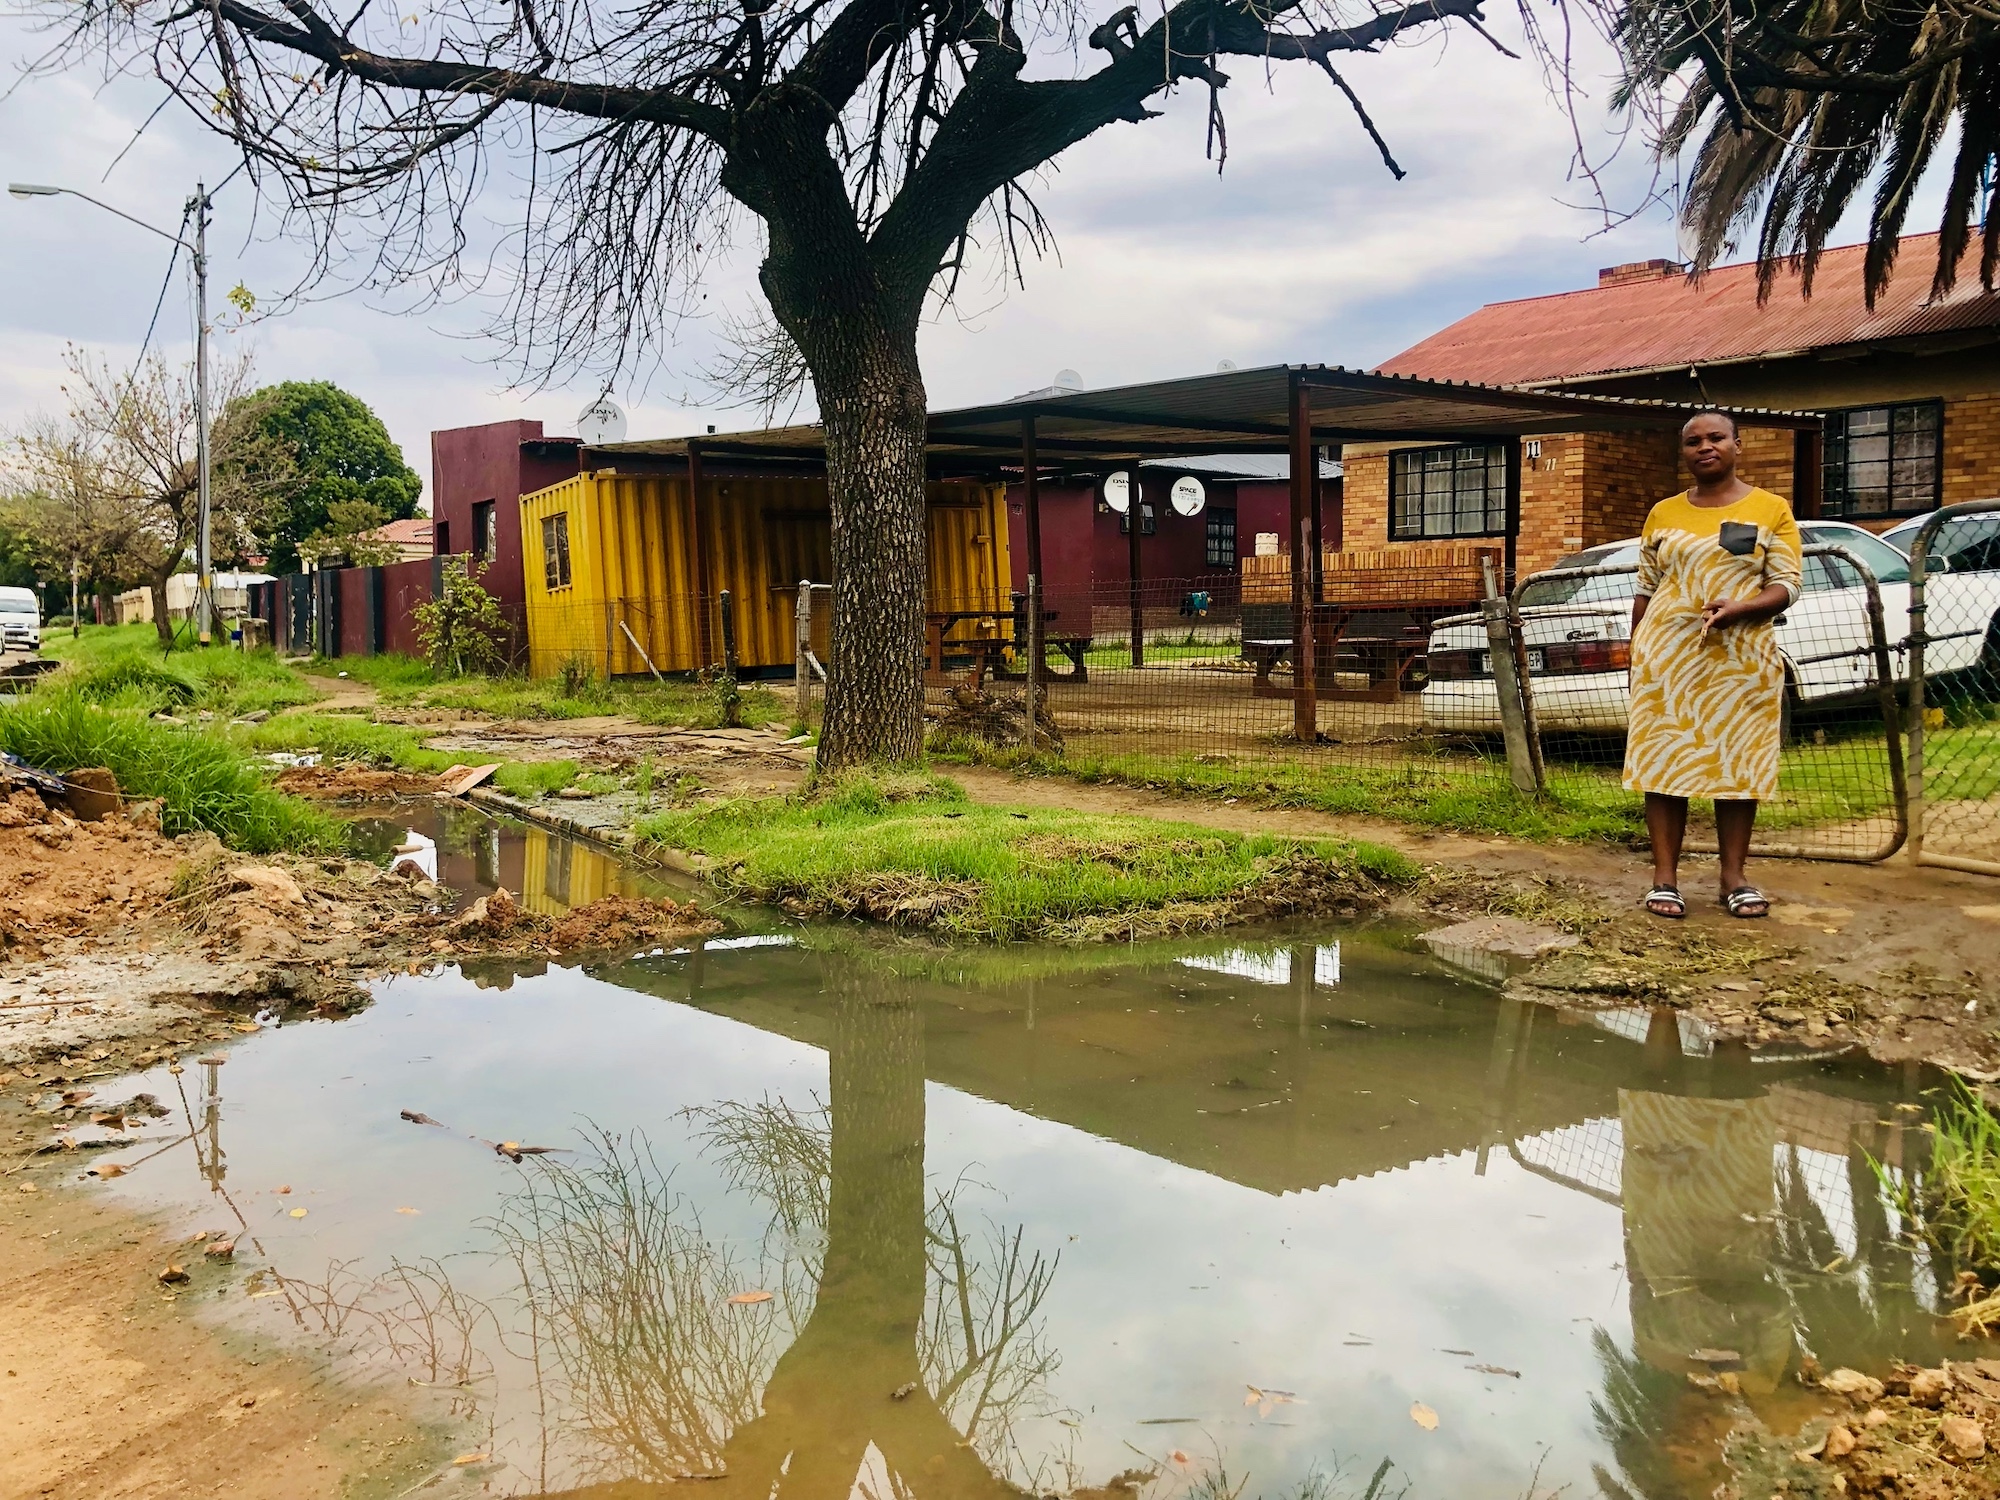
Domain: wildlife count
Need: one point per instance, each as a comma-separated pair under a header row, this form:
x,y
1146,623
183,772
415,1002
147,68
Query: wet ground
x,y
1301,1214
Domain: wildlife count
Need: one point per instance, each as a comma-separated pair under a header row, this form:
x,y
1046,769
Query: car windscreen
x,y
1971,542
1888,564
1553,588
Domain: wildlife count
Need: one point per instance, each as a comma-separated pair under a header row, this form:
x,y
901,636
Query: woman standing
x,y
1716,565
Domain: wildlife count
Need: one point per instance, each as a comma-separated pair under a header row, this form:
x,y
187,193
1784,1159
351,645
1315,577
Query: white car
x,y
20,620
1578,634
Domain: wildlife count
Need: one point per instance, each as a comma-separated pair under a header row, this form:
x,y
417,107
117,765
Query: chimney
x,y
1639,270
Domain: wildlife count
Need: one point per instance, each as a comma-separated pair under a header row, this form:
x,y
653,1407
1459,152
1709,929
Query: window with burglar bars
x,y
555,550
1221,537
1883,460
1148,523
1448,492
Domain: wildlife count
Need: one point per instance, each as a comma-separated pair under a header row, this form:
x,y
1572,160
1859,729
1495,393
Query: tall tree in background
x,y
115,477
1796,109
340,454
879,144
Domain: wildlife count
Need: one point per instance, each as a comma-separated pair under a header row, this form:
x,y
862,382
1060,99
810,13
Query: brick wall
x,y
1971,449
1364,503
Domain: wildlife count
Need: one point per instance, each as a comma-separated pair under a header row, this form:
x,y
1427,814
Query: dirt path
x,y
341,694
112,1389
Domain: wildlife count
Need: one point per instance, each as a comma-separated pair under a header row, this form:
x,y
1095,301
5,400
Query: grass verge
x,y
1954,1201
123,667
911,850
202,781
577,694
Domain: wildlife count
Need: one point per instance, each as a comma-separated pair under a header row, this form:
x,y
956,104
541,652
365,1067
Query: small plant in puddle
x,y
1953,1202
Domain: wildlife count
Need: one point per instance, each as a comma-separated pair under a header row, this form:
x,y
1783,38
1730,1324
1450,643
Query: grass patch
x,y
912,850
202,781
123,667
577,694
1463,794
349,737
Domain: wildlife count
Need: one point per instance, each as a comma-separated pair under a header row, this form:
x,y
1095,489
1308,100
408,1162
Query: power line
x,y
159,302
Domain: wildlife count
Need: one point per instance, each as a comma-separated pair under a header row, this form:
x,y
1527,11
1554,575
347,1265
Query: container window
x,y
555,550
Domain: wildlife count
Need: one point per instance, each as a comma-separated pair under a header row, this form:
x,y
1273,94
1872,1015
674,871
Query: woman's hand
x,y
1720,612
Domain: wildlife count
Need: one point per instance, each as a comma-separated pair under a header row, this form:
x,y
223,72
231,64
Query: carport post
x,y
1305,561
1134,514
698,554
1031,488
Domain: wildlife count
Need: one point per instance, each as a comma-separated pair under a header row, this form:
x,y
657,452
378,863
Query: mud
x,y
355,784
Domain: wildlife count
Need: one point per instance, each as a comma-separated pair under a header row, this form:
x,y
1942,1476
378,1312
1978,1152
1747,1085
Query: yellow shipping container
x,y
613,567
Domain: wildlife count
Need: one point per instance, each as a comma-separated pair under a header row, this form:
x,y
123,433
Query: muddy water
x,y
1300,1215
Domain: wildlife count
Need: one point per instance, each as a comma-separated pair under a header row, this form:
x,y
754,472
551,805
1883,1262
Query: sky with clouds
x,y
1303,249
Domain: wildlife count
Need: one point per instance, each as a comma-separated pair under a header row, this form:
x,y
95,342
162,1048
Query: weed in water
x,y
1954,1200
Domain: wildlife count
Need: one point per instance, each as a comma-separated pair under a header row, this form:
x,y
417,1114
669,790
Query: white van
x,y
20,620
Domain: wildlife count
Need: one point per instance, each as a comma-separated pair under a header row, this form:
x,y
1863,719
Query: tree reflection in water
x,y
899,1342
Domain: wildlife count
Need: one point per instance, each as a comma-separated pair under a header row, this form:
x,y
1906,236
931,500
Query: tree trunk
x,y
871,398
162,621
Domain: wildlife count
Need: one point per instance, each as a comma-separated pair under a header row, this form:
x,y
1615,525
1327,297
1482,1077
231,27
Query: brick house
x,y
1911,393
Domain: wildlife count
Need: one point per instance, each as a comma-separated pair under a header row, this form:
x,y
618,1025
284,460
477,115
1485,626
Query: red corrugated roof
x,y
416,530
1667,321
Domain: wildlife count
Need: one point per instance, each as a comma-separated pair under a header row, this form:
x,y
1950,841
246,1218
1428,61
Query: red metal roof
x,y
1655,322
411,533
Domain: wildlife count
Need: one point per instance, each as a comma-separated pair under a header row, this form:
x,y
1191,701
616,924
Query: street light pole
x,y
197,207
204,595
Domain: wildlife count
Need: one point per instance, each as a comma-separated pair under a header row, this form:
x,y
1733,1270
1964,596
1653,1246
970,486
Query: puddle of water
x,y
474,854
1229,1210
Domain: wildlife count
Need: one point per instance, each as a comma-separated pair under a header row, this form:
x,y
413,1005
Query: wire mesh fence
x,y
1954,722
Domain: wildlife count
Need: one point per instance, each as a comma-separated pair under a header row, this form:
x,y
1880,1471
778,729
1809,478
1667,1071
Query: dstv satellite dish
x,y
601,422
1118,491
1188,496
1223,367
1068,380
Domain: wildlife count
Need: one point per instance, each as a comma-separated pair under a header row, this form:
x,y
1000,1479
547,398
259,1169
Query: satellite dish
x,y
601,422
1118,491
1188,496
1068,380
1223,367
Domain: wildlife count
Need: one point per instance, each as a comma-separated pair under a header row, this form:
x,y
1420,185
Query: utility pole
x,y
204,582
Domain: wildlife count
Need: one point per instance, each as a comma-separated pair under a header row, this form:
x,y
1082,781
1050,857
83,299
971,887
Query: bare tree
x,y
1795,108
118,475
877,143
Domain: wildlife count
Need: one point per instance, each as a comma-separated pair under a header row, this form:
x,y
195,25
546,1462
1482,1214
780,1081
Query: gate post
x,y
1033,691
1507,683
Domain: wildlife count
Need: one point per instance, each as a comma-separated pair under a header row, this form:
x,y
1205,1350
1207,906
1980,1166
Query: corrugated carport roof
x,y
1239,411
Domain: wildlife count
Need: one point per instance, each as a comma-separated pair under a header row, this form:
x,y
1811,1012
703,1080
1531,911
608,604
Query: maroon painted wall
x,y
1083,548
356,617
405,586
501,462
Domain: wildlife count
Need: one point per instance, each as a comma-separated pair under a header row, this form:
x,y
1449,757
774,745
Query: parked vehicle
x,y
1971,544
20,620
1578,635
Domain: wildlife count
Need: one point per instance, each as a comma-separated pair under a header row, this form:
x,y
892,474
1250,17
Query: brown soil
x,y
354,784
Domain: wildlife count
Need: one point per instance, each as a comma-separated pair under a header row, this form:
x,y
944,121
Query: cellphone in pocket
x,y
1737,538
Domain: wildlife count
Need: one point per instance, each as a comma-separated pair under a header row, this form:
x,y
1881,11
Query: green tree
x,y
341,453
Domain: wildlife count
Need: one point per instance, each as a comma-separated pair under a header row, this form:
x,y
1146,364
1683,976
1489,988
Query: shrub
x,y
463,630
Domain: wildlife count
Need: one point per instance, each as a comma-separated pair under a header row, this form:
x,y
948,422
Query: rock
x,y
92,793
255,716
1876,1417
1845,1382
1928,1387
221,1250
174,1276
1962,1437
144,815
1839,1442
1508,937
273,887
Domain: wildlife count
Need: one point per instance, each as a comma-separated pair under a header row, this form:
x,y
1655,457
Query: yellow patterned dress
x,y
1705,709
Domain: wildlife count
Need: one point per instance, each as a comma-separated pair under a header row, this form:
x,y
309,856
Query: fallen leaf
x,y
108,1169
221,1250
1423,1416
1466,1352
1496,1370
246,1027
747,1299
418,1117
1180,1458
409,1210
904,1391
283,1187
468,1458
173,1275
298,1213
77,1096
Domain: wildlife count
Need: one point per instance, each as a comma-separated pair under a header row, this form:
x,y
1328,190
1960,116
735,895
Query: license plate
x,y
1536,661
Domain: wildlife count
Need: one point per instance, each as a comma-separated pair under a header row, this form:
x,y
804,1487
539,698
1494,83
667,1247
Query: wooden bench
x,y
1424,580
